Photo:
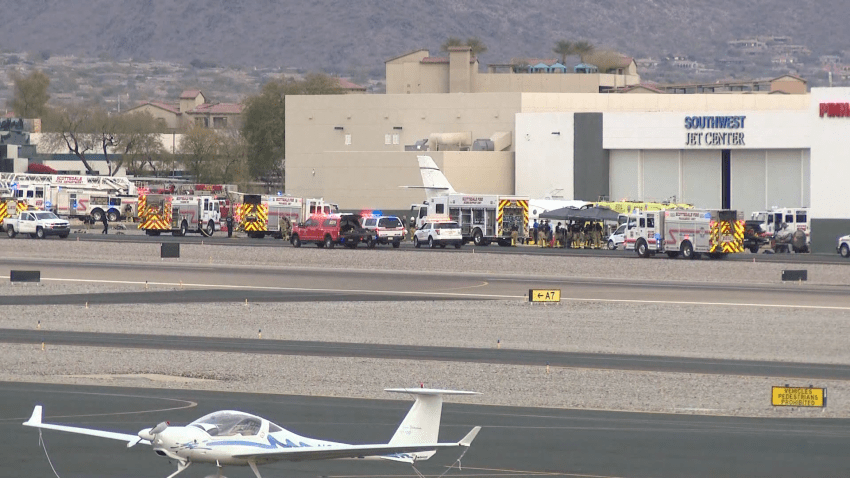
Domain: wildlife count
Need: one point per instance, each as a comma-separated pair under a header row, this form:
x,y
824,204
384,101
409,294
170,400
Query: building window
x,y
219,122
388,139
205,122
396,139
348,140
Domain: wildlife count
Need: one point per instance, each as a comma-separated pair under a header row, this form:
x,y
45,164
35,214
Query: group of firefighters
x,y
577,235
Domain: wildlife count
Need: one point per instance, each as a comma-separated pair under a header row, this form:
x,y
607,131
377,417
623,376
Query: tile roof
x,y
217,108
347,85
166,106
190,94
443,59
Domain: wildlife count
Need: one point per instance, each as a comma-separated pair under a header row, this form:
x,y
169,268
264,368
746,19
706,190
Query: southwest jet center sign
x,y
714,130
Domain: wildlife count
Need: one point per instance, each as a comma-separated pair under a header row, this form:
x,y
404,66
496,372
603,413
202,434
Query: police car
x,y
438,233
384,229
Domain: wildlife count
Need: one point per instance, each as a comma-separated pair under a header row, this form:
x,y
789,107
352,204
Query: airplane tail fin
x,y
422,423
433,180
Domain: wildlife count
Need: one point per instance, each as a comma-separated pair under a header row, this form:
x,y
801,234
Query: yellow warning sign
x,y
544,295
799,397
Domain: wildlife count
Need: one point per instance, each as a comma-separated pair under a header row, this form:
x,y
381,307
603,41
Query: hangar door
x,y
762,179
693,177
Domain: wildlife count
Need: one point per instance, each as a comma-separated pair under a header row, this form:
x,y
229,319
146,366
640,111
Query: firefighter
x,y
514,234
558,235
597,235
230,225
541,235
105,221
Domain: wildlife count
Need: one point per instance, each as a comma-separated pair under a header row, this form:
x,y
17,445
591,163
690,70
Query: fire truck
x,y
483,218
9,206
626,207
689,232
275,215
178,215
73,196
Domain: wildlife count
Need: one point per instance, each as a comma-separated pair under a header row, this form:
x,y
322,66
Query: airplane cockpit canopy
x,y
228,423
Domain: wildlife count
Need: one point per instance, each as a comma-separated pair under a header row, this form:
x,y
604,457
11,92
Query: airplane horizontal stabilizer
x,y
399,452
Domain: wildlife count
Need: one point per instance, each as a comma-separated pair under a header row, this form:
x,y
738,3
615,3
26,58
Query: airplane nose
x,y
145,434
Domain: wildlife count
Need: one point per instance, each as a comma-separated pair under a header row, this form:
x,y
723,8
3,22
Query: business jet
x,y
240,439
435,183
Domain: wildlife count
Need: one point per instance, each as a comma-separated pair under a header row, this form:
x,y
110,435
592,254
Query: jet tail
x,y
422,423
433,180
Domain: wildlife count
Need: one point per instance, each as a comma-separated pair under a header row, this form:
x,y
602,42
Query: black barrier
x,y
169,250
795,275
25,276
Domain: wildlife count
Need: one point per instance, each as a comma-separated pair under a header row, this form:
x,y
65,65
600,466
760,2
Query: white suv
x,y
384,230
438,234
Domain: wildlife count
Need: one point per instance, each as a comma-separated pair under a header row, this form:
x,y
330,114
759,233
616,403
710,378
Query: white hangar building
x,y
742,151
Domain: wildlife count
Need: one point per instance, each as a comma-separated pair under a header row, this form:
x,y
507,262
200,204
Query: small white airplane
x,y
235,438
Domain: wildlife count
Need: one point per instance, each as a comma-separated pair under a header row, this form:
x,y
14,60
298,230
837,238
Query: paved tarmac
x,y
453,354
277,285
514,442
134,235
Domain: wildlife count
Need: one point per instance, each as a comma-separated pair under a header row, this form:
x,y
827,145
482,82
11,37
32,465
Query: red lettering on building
x,y
835,110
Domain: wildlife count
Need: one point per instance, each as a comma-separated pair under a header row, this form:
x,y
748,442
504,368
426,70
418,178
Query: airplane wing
x,y
35,421
392,452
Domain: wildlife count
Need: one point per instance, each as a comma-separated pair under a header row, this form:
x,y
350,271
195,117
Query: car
x,y
843,247
385,230
38,224
328,231
438,234
617,238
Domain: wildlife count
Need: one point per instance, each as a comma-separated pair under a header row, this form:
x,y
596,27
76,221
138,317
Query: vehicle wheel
x,y
329,242
396,244
672,254
754,249
39,233
611,245
478,238
296,241
457,246
642,249
416,243
97,215
210,229
844,251
430,242
63,236
112,215
10,231
442,246
152,233
688,250
370,242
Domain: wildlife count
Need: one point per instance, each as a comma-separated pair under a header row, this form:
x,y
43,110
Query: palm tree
x,y
450,42
582,49
476,46
565,49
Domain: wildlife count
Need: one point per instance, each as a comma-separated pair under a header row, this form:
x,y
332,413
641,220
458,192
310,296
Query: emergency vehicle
x,y
689,232
10,206
483,218
178,215
626,207
795,218
69,195
275,215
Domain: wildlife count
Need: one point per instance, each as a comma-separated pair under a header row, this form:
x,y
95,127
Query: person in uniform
x,y
514,234
105,221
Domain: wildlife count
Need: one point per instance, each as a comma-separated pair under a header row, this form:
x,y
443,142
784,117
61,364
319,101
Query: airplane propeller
x,y
150,433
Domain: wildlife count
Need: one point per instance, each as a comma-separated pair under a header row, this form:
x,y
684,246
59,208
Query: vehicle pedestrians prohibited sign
x,y
798,397
544,295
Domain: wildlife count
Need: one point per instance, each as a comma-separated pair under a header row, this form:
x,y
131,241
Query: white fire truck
x,y
275,215
689,232
73,196
178,215
483,218
796,218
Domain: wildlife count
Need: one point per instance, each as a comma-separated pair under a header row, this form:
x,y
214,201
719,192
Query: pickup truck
x,y
38,224
328,231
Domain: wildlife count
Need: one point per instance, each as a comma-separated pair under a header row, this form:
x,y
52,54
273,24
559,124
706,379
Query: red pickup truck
x,y
328,231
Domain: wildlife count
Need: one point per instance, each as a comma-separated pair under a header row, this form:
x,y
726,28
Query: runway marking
x,y
294,289
683,302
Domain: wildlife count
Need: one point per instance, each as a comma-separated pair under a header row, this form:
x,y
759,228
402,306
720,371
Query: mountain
x,y
343,36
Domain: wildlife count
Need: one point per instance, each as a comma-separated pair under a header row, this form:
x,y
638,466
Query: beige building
x,y
418,72
192,108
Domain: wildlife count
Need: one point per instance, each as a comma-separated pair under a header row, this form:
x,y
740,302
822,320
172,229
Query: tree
x,y
30,97
199,148
564,48
263,123
476,46
582,49
72,129
450,42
